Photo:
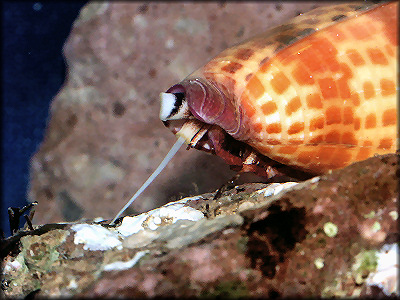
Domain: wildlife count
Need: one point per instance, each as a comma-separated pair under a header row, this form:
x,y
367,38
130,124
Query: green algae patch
x,y
365,262
228,289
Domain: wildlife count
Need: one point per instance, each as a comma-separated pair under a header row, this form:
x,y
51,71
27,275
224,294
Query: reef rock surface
x,y
333,235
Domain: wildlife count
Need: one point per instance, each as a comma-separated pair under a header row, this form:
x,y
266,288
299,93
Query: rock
x,y
104,136
333,235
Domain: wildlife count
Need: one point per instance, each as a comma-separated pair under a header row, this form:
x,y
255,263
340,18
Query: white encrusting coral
x,y
276,188
167,214
95,237
123,265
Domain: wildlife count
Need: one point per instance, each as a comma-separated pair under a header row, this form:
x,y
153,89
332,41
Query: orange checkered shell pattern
x,y
317,93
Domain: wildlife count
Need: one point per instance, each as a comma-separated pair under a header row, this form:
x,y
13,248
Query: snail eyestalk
x,y
160,167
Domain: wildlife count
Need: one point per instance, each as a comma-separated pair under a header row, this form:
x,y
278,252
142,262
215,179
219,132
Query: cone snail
x,y
315,94
312,95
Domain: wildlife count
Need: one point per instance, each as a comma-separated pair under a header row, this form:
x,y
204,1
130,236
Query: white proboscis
x,y
160,167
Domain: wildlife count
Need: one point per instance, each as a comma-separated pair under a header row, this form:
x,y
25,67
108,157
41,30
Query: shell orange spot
x,y
280,83
296,128
358,32
302,76
295,141
367,144
363,153
357,123
355,57
264,64
255,87
333,137
345,69
332,63
317,139
273,141
356,99
325,152
341,158
377,56
369,90
385,143
232,67
287,149
274,128
388,19
244,54
257,127
389,117
337,35
333,115
388,87
293,105
348,116
310,59
314,101
389,49
265,148
326,48
343,87
248,76
370,121
245,102
349,139
269,108
305,157
317,123
328,88
287,57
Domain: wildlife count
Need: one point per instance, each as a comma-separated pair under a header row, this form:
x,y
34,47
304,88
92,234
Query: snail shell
x,y
317,93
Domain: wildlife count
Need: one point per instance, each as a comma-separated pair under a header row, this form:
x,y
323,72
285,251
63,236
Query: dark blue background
x,y
33,71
